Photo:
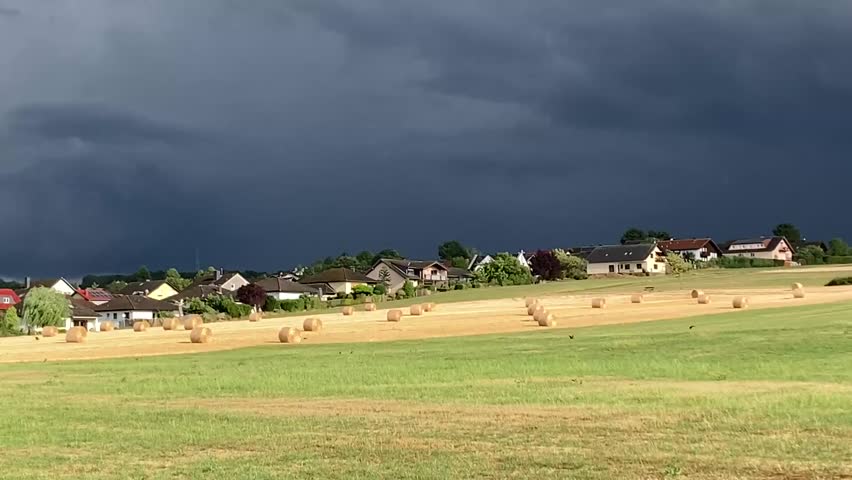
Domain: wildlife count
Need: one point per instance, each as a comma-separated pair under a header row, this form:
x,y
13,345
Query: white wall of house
x,y
62,287
782,252
284,295
522,259
124,319
697,254
648,265
234,283
93,325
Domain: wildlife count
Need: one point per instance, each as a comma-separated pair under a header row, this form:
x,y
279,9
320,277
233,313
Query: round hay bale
x,y
740,302
49,332
141,326
170,324
532,308
416,310
697,293
432,307
540,313
637,298
798,293
599,303
546,320
107,326
76,335
530,301
201,335
704,299
347,311
191,321
312,325
394,315
369,307
797,286
255,316
289,335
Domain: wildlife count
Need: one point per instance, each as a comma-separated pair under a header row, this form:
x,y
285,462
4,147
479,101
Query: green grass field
x,y
753,394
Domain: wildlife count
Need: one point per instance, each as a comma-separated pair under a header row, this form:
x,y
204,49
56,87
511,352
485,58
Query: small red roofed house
x,y
8,299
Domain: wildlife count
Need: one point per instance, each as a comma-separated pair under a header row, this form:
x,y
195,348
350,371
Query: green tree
x,y
572,266
452,249
386,253
177,282
677,263
658,235
385,277
811,255
838,247
45,306
633,235
143,274
505,269
460,262
116,286
364,261
790,232
11,323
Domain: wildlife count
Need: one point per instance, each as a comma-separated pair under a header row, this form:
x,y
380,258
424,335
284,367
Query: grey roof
x,y
456,272
200,291
335,275
620,253
278,284
82,308
135,302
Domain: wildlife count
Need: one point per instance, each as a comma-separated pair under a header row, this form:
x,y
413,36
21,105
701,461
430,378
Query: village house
x,y
98,296
82,314
155,289
59,284
125,309
767,248
639,259
8,299
478,261
222,280
697,249
337,281
283,289
394,273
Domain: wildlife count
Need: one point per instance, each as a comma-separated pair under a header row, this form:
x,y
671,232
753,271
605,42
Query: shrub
x,y
748,262
408,289
572,266
197,306
839,281
380,289
504,270
677,263
546,265
10,324
811,255
296,305
459,286
271,305
362,290
166,314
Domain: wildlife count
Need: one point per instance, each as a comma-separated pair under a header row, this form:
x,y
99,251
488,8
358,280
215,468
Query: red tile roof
x,y
684,244
8,292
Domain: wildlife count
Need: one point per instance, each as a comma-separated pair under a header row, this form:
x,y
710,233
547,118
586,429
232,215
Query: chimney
x,y
27,282
219,273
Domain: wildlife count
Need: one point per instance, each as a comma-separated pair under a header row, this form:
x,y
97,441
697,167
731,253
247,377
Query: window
x,y
638,266
612,269
114,316
7,300
627,266
752,254
656,267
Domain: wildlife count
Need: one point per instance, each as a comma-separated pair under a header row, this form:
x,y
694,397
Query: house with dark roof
x,y
337,280
123,310
697,249
222,280
640,259
83,315
767,248
283,289
394,273
156,289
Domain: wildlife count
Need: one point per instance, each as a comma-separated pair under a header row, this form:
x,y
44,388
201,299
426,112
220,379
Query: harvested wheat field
x,y
451,319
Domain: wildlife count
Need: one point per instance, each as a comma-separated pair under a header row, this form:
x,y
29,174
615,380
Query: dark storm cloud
x,y
266,134
9,12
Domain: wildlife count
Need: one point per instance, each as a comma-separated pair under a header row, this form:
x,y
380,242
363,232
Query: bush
x,y
380,289
210,317
271,305
504,270
677,263
197,306
166,315
459,286
839,281
408,289
747,262
297,305
836,260
362,290
10,323
572,266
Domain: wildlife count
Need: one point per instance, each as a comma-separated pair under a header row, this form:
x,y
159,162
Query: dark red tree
x,y
252,294
545,264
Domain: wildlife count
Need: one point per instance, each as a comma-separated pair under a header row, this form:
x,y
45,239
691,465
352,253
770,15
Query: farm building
x,y
698,249
767,248
626,259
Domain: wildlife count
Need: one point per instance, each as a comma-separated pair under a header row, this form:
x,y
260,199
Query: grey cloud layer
x,y
269,133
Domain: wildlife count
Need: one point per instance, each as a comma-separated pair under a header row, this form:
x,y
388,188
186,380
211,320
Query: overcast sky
x,y
269,133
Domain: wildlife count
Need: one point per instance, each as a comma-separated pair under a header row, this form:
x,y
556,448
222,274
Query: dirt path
x,y
452,319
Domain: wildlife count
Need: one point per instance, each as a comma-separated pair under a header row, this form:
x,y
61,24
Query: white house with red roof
x,y
8,299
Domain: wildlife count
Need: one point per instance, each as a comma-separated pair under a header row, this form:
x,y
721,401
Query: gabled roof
x,y
210,279
336,275
280,285
200,291
402,266
82,308
689,244
50,282
135,302
621,253
477,260
8,292
767,244
456,272
149,286
98,294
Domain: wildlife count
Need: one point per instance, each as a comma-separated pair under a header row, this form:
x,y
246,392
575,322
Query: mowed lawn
x,y
749,394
